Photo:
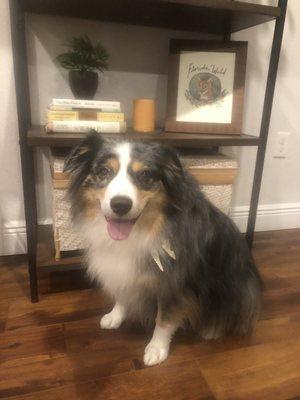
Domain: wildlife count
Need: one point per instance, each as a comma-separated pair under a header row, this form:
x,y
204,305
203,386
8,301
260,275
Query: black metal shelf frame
x,y
17,15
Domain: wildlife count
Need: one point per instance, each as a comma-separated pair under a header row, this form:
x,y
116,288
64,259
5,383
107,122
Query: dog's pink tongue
x,y
119,229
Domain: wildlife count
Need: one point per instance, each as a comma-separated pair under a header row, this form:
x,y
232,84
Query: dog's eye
x,y
103,172
145,177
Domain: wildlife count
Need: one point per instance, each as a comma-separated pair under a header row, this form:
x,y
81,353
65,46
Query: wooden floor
x,y
55,349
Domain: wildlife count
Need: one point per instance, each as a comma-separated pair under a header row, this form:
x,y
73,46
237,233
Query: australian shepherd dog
x,y
160,249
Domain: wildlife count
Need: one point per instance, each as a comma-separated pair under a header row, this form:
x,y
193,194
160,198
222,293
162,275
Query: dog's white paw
x,y
155,354
111,320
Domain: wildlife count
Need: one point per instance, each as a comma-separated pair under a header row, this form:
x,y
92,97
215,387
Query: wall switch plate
x,y
281,145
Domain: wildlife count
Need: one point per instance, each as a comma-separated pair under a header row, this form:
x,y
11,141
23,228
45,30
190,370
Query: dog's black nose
x,y
121,205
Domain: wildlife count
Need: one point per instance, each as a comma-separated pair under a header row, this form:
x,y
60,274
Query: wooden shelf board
x,y
37,136
46,253
210,16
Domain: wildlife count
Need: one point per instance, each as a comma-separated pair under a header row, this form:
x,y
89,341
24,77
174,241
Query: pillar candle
x,y
143,115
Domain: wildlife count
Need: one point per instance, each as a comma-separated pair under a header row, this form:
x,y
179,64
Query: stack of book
x,y
81,116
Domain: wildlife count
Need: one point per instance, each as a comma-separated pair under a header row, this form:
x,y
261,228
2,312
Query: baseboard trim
x,y
13,237
270,217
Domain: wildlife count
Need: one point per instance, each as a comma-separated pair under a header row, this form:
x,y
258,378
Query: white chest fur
x,y
114,264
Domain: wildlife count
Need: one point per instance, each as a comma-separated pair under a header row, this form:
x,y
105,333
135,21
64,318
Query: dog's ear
x,y
79,162
172,173
84,153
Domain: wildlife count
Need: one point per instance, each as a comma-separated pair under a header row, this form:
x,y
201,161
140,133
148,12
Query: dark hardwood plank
x,y
182,381
115,353
55,349
281,302
277,329
37,136
276,283
86,336
161,383
14,280
81,391
55,308
193,15
61,371
4,304
268,371
24,345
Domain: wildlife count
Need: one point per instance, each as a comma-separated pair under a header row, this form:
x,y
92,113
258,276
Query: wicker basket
x,y
215,174
65,237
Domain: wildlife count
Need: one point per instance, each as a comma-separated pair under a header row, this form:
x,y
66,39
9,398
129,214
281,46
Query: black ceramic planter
x,y
83,84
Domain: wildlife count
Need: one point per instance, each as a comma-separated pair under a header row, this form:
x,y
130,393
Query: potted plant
x,y
83,60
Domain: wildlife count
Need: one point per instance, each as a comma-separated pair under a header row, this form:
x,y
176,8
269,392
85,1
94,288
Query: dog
x,y
161,250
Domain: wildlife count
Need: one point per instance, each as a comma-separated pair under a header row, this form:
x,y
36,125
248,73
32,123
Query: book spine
x,y
77,108
108,116
85,115
54,115
86,103
85,126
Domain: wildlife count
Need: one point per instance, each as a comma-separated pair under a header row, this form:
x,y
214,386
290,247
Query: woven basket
x,y
66,238
215,175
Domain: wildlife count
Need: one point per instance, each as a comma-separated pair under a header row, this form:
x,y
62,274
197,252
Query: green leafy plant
x,y
84,56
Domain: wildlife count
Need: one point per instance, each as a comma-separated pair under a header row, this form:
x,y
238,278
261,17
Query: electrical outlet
x,y
281,145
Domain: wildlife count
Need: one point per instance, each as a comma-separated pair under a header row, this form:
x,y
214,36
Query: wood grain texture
x,y
193,15
56,308
60,183
214,176
37,136
205,176
269,371
24,345
54,349
181,381
3,314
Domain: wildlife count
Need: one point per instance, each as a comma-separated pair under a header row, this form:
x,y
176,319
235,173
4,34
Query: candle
x,y
143,115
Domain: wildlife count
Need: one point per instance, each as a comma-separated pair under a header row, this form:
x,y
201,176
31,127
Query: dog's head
x,y
123,180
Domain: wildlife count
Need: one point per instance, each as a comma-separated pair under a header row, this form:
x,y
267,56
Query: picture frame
x,y
206,82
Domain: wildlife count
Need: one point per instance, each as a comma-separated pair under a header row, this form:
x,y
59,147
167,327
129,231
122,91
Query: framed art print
x,y
206,86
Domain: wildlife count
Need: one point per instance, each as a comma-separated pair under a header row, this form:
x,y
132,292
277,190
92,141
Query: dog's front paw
x,y
111,321
155,354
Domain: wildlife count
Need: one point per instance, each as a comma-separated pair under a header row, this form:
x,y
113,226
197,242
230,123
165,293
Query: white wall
x,y
12,225
138,68
280,193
